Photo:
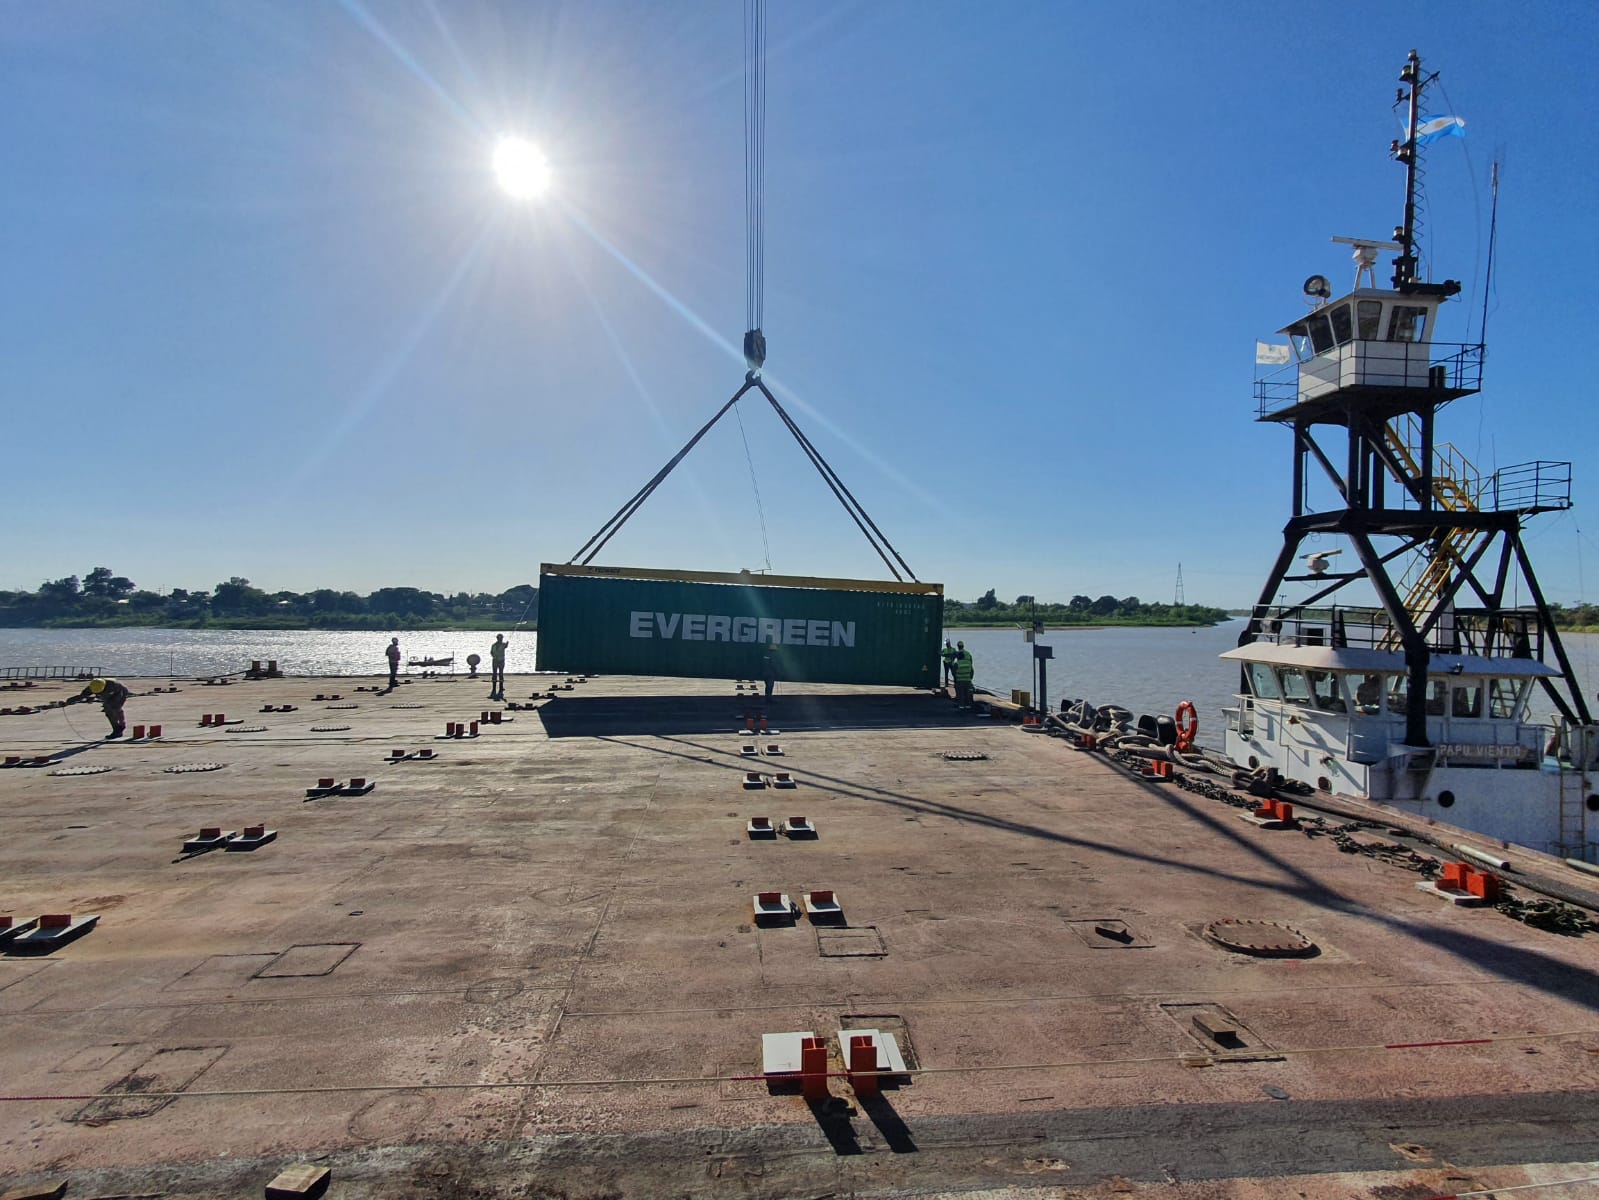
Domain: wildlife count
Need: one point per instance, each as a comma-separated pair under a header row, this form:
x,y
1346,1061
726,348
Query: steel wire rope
x,y
760,511
832,476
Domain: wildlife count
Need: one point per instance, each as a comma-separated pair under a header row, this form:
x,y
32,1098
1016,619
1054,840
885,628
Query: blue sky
x,y
266,313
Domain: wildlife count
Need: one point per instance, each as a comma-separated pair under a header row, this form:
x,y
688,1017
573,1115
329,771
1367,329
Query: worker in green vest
x,y
950,654
963,675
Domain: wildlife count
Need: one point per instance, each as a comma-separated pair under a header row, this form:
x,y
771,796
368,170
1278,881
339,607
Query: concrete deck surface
x,y
530,968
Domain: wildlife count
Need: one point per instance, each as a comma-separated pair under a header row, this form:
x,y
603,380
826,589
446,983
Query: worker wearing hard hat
x,y
963,675
112,696
949,654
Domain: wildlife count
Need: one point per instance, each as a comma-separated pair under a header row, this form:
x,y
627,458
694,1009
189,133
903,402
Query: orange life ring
x,y
1187,725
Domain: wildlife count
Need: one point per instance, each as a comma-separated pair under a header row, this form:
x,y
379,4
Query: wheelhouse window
x,y
1295,689
1504,699
1321,335
1326,692
1299,336
1343,329
1407,324
1398,693
1263,682
1368,694
1437,697
1368,319
1467,700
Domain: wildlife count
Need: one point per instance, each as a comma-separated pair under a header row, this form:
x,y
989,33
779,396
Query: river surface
x,y
1146,670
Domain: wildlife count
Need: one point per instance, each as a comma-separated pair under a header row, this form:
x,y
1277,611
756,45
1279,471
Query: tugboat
x,y
1407,674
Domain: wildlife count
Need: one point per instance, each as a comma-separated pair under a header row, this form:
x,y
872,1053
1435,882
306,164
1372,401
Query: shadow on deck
x,y
610,716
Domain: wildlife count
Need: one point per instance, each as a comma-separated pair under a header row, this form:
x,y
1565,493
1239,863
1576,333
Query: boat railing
x,y
50,672
1530,487
1507,633
1451,368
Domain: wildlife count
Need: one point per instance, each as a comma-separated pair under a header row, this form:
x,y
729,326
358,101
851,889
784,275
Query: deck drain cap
x,y
964,756
1263,939
185,768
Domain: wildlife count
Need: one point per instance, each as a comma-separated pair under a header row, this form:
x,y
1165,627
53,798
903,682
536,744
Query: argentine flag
x,y
1429,132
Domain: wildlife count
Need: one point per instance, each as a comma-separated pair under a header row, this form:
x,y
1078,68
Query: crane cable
x,y
755,164
754,224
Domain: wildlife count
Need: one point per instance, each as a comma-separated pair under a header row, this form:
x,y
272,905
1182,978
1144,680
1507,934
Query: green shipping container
x,y
637,621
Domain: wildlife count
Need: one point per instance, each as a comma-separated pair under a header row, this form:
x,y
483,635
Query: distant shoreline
x,y
362,625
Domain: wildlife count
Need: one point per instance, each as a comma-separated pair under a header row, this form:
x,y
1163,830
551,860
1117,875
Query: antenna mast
x,y
1405,235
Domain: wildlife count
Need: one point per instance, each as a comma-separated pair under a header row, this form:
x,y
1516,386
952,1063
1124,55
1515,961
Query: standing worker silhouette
x,y
963,675
950,654
112,696
497,668
394,663
769,670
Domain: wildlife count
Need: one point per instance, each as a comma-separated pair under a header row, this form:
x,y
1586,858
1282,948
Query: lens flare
x,y
521,168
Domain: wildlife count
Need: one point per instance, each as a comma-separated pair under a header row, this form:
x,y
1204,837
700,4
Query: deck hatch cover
x,y
304,961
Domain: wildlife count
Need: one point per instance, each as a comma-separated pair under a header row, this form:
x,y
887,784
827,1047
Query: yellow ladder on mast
x,y
1456,485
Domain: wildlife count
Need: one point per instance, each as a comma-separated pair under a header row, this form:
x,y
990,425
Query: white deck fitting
x,y
754,780
746,750
888,1056
32,933
783,908
774,750
801,826
1461,899
245,841
821,908
780,1052
208,843
761,827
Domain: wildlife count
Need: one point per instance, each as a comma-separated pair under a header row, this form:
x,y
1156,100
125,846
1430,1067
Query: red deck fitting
x,y
396,755
155,731
754,779
813,1068
783,779
1462,883
773,749
138,731
55,920
863,1066
1484,885
205,719
495,717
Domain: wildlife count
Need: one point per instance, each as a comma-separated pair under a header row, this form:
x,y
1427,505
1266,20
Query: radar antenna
x,y
1366,257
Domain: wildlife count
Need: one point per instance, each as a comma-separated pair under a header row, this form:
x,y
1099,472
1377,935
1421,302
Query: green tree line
x,y
104,598
988,609
1576,616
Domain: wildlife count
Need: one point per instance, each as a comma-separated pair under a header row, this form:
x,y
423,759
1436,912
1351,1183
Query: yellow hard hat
x,y
97,686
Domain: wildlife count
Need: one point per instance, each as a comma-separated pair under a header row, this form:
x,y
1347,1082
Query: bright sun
x,y
521,168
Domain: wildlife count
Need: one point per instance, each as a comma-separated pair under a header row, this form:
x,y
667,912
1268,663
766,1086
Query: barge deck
x,y
530,966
